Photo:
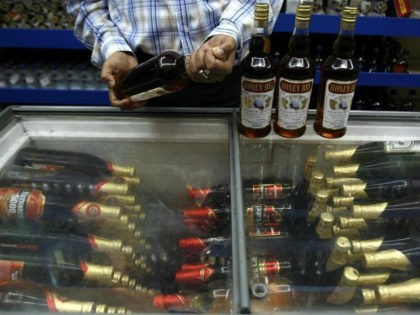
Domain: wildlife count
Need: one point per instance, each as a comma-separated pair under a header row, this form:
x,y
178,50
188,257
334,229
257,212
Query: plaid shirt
x,y
153,26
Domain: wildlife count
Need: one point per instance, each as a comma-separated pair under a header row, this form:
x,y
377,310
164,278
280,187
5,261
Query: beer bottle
x,y
65,183
258,79
295,72
339,75
70,160
372,151
38,300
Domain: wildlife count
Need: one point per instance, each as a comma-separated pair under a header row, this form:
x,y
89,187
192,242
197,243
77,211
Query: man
x,y
213,35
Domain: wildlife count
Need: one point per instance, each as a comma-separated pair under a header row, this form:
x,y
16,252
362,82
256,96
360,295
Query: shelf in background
x,y
53,97
39,38
365,25
100,97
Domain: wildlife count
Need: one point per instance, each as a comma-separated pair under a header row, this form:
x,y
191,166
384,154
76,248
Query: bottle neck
x,y
344,45
299,44
260,41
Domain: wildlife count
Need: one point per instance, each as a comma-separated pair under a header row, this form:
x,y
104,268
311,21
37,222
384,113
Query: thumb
x,y
219,52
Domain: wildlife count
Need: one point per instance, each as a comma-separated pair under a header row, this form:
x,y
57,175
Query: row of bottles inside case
x,y
73,220
344,237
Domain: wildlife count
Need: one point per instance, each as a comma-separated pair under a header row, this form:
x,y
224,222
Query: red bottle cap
x,y
171,301
271,267
189,267
198,276
193,243
202,213
198,193
269,191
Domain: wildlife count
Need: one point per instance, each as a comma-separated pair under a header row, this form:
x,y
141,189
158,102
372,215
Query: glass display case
x,y
166,210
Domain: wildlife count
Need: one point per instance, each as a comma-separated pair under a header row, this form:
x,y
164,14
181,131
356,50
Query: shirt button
x,y
186,29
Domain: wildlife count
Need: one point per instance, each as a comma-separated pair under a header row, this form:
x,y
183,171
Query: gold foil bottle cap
x,y
366,246
352,223
325,225
350,233
390,258
120,200
131,180
136,209
123,170
346,288
340,155
309,166
348,170
370,211
303,12
317,181
369,296
337,182
375,278
102,274
398,293
113,188
261,14
339,253
355,190
342,201
338,211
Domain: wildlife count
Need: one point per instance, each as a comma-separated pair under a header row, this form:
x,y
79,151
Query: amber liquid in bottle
x,y
338,81
258,80
296,72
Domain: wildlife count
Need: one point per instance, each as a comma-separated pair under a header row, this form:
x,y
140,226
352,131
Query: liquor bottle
x,y
373,150
258,79
391,167
160,75
203,275
220,194
397,293
61,268
65,183
55,214
38,300
77,161
259,216
296,77
382,189
405,208
338,81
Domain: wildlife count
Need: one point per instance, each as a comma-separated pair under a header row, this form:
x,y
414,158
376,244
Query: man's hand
x,y
113,69
213,60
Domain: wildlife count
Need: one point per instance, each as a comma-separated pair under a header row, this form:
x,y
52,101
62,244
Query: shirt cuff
x,y
106,45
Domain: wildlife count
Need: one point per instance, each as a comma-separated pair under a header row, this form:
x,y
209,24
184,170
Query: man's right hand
x,y
113,69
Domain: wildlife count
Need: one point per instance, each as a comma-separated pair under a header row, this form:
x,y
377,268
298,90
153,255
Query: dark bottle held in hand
x,y
70,160
160,75
65,183
38,300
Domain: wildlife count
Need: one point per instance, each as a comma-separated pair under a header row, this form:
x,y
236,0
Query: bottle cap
x,y
390,258
340,155
303,12
261,13
325,225
339,253
309,165
121,170
201,214
193,243
170,301
342,201
198,276
348,170
352,223
370,211
366,246
369,296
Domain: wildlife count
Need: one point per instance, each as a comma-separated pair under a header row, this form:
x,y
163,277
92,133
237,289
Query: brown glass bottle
x,y
258,80
338,81
160,75
295,73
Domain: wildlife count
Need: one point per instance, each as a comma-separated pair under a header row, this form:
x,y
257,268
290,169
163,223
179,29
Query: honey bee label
x,y
337,103
21,204
294,97
257,102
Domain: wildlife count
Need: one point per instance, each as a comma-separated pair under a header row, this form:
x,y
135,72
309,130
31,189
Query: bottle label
x,y
144,96
262,216
58,303
11,270
21,204
294,97
337,103
257,102
87,210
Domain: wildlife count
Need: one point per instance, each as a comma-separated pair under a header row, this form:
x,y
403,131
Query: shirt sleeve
x,y
95,30
237,20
